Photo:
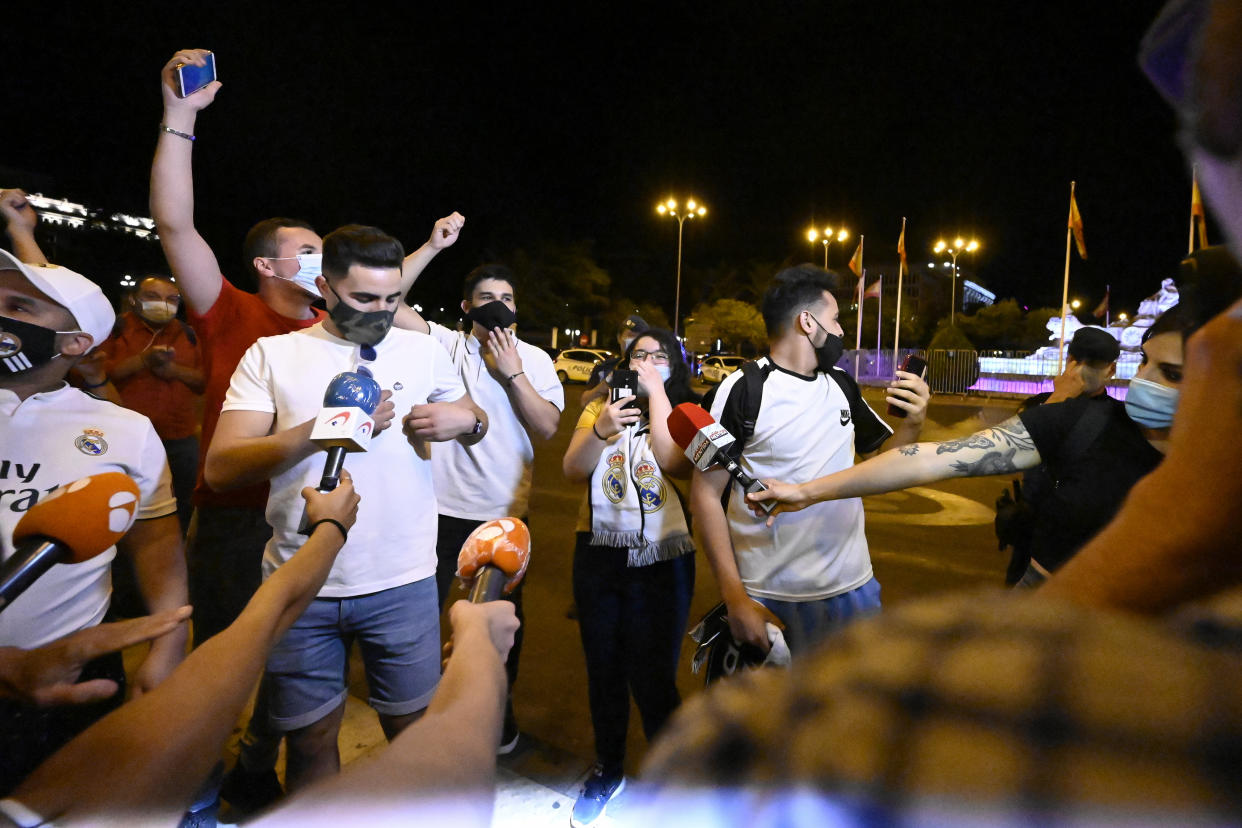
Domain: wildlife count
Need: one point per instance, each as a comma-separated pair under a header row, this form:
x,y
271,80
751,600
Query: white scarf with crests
x,y
633,506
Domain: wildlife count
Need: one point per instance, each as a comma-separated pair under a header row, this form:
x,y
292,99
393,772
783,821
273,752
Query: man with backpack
x,y
795,416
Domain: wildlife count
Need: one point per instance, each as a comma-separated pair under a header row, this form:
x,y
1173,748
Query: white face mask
x,y
310,265
157,311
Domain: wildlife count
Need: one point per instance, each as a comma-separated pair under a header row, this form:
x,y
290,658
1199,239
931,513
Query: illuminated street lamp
x,y
959,245
828,238
691,210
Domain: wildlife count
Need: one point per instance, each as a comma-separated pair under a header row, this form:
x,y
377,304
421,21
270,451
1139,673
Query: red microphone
x,y
705,442
495,555
72,524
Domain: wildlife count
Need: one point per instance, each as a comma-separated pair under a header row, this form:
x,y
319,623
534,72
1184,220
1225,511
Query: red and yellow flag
x,y
901,248
1196,212
856,261
873,292
1075,225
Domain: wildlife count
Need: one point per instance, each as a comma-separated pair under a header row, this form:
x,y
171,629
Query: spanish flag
x,y
901,248
1075,224
873,292
856,261
1197,215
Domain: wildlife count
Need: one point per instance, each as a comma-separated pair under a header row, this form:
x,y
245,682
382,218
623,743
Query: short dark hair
x,y
1174,320
261,241
492,270
358,244
677,386
793,289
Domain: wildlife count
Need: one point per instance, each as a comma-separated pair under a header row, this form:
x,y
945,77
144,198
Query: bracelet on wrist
x,y
512,377
334,522
597,434
89,386
187,136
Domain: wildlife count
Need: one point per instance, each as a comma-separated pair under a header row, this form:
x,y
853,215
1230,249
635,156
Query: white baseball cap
x,y
77,294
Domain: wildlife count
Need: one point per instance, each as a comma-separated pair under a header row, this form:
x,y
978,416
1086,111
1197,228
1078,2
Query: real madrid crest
x,y
651,491
614,478
92,442
9,343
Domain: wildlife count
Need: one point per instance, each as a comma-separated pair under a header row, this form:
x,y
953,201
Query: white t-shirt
x,y
393,541
491,478
805,429
46,441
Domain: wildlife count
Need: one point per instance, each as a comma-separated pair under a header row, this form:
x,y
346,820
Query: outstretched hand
x,y
787,497
340,504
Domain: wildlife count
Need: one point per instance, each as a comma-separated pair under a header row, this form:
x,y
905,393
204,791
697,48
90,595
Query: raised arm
x,y
443,234
1002,449
20,220
172,189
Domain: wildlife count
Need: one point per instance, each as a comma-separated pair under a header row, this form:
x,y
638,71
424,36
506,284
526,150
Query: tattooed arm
x,y
1002,449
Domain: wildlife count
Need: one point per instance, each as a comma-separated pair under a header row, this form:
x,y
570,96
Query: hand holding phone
x,y
913,364
192,77
624,383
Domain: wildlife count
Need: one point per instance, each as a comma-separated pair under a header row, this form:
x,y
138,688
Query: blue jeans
x,y
632,621
809,622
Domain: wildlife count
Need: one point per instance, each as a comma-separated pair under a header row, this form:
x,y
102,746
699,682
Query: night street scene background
x,y
556,132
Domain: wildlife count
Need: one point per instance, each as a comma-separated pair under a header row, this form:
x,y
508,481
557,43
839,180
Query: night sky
x,y
965,118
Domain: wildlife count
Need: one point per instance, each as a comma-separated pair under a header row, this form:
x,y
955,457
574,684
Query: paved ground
x,y
923,541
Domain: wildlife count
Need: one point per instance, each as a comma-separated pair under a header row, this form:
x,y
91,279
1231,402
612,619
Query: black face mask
x,y
25,346
361,327
828,353
492,315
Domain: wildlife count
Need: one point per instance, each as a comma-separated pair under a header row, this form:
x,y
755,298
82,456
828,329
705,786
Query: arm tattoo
x,y
974,441
910,450
994,462
1013,433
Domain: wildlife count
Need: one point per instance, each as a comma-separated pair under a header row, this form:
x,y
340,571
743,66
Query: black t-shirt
x,y
1090,488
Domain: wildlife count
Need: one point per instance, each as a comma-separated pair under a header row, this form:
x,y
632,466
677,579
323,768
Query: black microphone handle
x,y
749,484
488,584
332,469
25,567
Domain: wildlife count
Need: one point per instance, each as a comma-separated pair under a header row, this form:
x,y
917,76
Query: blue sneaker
x,y
597,792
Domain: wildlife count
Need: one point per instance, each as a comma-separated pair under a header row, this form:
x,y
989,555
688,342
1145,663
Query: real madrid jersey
x,y
51,439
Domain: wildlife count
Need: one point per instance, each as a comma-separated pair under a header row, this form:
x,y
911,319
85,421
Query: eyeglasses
x,y
658,357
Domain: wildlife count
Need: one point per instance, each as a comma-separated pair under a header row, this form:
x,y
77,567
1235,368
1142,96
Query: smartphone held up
x,y
913,364
191,78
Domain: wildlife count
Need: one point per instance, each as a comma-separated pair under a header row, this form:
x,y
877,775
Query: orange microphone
x,y
495,555
72,524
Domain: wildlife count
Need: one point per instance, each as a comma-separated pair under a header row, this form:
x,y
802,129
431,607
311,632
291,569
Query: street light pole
x,y
959,246
828,238
692,210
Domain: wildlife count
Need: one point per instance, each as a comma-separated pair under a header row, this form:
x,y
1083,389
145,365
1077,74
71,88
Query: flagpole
x,y
862,281
879,307
1108,306
1069,235
901,266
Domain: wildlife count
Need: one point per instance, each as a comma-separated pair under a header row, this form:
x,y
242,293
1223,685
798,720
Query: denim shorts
x,y
398,633
809,622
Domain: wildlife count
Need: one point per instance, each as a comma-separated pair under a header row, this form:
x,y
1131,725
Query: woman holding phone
x,y
634,559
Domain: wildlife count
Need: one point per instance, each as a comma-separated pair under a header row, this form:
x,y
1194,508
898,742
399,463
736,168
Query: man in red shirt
x,y
153,360
228,532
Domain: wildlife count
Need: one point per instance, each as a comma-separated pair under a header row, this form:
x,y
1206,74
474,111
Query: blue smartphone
x,y
191,78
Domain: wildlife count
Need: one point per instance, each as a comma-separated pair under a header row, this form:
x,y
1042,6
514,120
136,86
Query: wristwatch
x,y
478,425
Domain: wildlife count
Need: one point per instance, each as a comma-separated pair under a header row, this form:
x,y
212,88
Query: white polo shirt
x,y
51,439
393,541
805,429
491,478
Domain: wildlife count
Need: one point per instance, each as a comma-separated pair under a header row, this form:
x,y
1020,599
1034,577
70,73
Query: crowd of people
x,y
1003,705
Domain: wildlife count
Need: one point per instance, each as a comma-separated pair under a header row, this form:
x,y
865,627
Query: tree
x,y
736,324
560,284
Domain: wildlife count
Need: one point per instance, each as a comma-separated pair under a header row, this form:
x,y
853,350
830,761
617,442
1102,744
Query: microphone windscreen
x,y
686,420
350,389
503,543
88,515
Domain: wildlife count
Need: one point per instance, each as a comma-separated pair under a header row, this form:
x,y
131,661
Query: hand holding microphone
x,y
339,506
705,442
344,425
73,524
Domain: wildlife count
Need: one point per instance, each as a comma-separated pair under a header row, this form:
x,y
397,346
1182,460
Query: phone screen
x,y
193,78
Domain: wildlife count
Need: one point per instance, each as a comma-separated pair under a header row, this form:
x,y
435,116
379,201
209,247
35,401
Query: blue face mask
x,y
1151,404
310,265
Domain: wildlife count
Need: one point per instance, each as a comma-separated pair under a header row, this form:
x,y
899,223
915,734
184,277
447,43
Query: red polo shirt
x,y
169,404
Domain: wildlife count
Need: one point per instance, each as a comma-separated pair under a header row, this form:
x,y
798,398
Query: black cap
x,y
634,324
1094,345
